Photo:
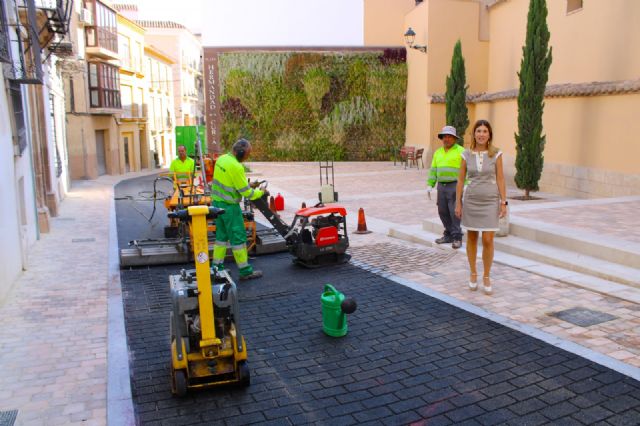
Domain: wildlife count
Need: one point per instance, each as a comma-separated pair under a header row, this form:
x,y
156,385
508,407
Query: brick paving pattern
x,y
396,259
53,327
405,361
407,358
529,299
518,295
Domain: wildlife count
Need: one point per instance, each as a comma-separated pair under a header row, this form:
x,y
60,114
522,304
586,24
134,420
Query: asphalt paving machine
x,y
207,346
192,189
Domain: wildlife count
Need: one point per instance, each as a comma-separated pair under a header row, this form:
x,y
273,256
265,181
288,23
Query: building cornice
x,y
131,24
565,90
159,53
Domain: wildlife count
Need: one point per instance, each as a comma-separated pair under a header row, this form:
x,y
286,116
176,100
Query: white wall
x,y
55,131
17,214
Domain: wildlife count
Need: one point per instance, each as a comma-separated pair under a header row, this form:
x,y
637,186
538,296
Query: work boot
x,y
255,274
456,244
443,240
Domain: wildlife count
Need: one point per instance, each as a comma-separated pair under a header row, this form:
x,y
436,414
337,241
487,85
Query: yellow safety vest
x,y
445,165
183,169
230,183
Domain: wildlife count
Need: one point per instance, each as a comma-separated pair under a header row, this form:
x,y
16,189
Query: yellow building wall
x,y
384,21
418,112
132,74
578,155
448,22
584,129
439,24
83,160
592,44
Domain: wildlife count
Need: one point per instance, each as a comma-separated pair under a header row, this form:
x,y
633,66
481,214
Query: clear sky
x,y
264,22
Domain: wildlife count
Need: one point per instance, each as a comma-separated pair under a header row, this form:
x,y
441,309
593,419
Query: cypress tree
x,y
456,95
533,75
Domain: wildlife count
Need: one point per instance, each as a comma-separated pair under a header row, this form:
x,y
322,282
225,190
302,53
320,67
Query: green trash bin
x,y
334,310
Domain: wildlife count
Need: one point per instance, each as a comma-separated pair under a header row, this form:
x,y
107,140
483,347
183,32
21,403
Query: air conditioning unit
x,y
86,17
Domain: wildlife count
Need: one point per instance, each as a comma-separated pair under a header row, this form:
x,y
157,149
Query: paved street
x,y
421,347
407,358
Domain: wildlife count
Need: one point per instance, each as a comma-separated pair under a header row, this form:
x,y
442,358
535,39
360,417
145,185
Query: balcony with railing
x,y
102,36
104,87
26,28
24,49
5,55
53,19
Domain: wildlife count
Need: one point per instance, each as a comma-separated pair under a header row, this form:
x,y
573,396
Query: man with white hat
x,y
444,171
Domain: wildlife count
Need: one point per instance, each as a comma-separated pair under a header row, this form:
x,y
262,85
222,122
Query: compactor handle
x,y
215,212
179,214
183,214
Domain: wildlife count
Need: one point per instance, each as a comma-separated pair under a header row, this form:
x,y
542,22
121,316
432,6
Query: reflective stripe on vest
x,y
230,183
445,165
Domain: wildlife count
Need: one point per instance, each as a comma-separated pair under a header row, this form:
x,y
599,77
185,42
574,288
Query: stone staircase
x,y
575,257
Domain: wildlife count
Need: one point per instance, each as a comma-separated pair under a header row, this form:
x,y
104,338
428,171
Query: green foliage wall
x,y
304,106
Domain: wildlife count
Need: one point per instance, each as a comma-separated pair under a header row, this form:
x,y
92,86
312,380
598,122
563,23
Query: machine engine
x,y
184,292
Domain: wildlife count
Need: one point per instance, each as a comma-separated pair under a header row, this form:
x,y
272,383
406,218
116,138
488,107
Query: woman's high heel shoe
x,y
473,282
486,281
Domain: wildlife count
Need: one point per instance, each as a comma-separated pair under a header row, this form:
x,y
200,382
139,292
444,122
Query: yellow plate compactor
x,y
207,347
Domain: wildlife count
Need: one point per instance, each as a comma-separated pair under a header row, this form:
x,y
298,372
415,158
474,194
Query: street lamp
x,y
409,38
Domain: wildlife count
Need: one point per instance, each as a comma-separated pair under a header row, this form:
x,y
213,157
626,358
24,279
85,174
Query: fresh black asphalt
x,y
407,358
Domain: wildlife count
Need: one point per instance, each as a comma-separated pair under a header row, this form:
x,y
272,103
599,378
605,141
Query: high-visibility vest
x,y
445,165
230,183
183,169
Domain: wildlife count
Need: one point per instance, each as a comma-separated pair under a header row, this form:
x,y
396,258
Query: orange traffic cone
x,y
362,223
272,204
304,205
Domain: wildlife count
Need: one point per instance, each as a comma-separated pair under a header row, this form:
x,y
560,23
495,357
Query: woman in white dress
x,y
484,199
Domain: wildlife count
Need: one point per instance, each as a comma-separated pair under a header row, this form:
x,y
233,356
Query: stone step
x,y
594,248
607,248
606,278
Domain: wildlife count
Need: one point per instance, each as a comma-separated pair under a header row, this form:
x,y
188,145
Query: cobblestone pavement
x,y
526,298
53,325
376,374
391,195
54,337
407,358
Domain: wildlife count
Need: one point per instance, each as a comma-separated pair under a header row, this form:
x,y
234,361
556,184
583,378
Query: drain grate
x,y
82,240
583,317
8,418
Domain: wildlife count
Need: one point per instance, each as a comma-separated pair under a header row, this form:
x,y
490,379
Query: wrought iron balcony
x,y
56,16
5,55
25,62
27,28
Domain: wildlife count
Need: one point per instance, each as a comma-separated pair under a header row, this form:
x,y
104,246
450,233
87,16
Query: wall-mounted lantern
x,y
409,38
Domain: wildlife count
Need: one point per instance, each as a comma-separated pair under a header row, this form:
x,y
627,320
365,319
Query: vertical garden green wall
x,y
303,106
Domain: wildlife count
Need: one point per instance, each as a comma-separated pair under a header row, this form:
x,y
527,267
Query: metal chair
x,y
417,156
407,154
